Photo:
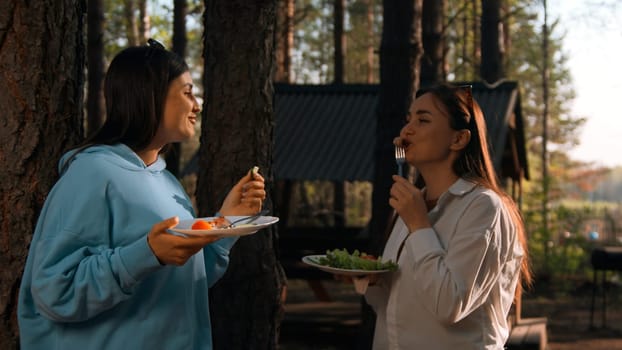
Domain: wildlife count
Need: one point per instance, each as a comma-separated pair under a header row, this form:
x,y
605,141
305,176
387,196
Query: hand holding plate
x,y
171,249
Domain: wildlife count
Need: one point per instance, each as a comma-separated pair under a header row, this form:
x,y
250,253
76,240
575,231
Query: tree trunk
x,y
180,8
339,40
370,41
545,137
491,69
96,106
432,61
284,40
237,134
507,37
476,55
41,97
144,26
131,28
400,54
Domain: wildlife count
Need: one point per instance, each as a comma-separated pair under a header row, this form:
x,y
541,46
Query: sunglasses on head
x,y
468,91
152,43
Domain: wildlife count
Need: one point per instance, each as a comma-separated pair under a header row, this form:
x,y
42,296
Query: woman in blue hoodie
x,y
102,271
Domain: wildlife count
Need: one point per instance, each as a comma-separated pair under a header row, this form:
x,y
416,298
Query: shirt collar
x,y
461,187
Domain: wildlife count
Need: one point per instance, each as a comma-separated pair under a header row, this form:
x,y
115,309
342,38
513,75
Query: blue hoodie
x,y
91,280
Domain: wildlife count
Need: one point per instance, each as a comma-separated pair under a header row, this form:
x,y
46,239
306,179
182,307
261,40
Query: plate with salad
x,y
341,262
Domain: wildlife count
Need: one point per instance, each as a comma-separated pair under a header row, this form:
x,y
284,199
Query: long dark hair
x,y
135,90
474,162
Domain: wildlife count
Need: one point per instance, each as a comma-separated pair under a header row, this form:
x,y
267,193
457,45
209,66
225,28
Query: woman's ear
x,y
461,140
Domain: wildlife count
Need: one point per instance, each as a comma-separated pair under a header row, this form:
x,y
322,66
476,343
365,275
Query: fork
x,y
248,219
400,159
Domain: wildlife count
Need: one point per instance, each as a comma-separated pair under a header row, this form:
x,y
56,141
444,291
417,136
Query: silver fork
x,y
400,159
247,219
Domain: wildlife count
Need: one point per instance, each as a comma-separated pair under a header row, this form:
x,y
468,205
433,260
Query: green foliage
x,y
609,189
462,39
565,262
362,36
313,40
161,28
358,203
312,58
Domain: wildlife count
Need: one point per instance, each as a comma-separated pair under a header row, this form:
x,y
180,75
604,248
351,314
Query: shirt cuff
x,y
138,260
224,245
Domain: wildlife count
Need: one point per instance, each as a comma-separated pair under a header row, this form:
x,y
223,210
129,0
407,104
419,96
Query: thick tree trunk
x,y
144,26
96,106
433,39
42,58
237,133
179,27
491,69
476,55
179,47
284,41
339,40
370,41
131,27
400,55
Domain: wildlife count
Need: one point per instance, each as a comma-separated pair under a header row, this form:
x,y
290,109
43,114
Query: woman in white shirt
x,y
459,241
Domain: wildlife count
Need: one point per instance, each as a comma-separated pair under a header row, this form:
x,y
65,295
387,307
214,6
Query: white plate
x,y
313,260
240,229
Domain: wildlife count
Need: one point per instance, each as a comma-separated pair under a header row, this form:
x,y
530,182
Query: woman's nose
x,y
196,107
406,130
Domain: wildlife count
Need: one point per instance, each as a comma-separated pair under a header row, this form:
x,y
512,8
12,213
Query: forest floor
x,y
335,325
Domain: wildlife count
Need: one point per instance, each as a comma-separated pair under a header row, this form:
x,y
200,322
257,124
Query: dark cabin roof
x,y
327,132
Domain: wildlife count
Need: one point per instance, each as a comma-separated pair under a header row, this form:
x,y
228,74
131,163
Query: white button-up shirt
x,y
456,280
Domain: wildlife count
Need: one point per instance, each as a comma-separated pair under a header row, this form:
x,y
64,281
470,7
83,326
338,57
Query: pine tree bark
x,y
284,40
400,54
339,40
144,26
131,27
180,9
42,60
432,61
370,41
237,133
491,69
96,105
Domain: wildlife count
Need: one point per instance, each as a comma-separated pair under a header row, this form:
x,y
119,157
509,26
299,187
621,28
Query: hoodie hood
x,y
119,154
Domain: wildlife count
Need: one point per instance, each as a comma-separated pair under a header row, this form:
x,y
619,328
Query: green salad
x,y
342,259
